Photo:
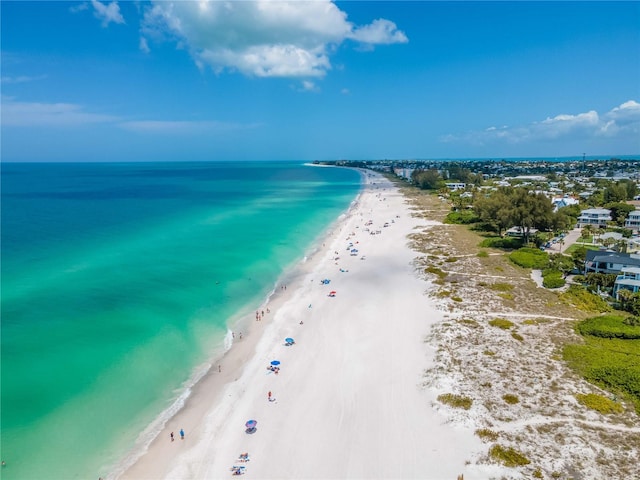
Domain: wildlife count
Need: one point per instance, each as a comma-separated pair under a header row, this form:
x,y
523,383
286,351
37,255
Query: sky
x,y
317,80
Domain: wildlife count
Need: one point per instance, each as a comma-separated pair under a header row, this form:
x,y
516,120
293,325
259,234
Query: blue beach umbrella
x,y
289,340
251,424
275,362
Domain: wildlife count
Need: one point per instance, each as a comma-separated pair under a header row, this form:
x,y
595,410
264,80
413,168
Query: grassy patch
x,y
436,271
506,296
456,299
508,456
584,300
529,258
501,287
483,254
608,326
486,434
599,403
502,323
455,401
469,322
451,260
463,217
517,336
506,243
510,399
489,353
611,363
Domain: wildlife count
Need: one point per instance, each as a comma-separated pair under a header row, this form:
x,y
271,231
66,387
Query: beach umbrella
x,y
275,362
251,424
332,293
289,340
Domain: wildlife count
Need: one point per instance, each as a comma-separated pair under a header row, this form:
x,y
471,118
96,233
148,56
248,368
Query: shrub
x,y
455,401
489,353
451,260
506,243
456,299
435,271
517,336
608,326
469,322
483,254
599,403
553,280
529,258
634,321
580,298
509,456
486,434
462,217
506,296
510,399
502,323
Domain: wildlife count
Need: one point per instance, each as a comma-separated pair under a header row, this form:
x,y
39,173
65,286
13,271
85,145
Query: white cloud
x,y
263,38
79,8
107,13
380,31
22,79
31,114
309,86
182,127
619,122
143,45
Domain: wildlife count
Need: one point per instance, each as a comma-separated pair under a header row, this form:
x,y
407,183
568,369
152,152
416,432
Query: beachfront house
x,y
598,261
597,217
633,221
456,185
629,279
564,201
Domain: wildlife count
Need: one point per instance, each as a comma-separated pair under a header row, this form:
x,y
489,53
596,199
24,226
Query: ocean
x,y
120,281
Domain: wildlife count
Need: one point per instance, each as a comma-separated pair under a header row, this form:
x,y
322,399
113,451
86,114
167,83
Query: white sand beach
x,y
349,400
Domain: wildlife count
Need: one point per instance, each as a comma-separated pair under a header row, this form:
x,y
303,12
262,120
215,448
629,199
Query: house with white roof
x,y
629,279
597,217
633,221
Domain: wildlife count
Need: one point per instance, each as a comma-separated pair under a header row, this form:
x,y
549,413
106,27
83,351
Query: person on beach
x,y
240,336
181,434
269,396
219,368
171,435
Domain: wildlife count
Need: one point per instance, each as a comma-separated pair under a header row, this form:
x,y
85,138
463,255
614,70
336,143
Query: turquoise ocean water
x,y
118,280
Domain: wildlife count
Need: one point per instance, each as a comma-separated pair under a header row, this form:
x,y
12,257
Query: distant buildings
x,y
597,261
629,279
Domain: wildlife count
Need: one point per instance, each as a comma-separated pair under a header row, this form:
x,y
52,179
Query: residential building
x,y
602,261
456,186
633,221
597,217
629,279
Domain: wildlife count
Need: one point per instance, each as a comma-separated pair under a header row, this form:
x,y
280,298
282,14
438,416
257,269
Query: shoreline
x,y
232,359
394,398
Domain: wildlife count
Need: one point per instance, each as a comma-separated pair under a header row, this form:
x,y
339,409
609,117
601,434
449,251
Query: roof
x,y
611,257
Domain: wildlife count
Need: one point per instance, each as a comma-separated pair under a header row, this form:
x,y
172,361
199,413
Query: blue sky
x,y
239,80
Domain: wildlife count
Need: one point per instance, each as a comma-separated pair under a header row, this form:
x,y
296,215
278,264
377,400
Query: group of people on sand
x,y
181,435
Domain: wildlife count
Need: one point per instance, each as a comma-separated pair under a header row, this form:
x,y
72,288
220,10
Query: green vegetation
x,y
486,434
483,254
456,299
506,296
469,322
502,323
607,358
501,287
529,258
506,243
456,401
584,300
451,259
508,456
510,399
537,473
489,353
609,326
517,336
436,271
599,403
463,217
552,279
